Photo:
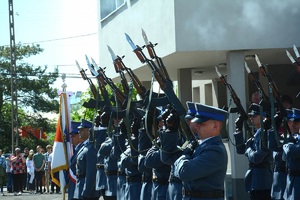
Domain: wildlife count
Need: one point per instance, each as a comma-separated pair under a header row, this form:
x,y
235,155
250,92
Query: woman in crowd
x,y
30,172
18,169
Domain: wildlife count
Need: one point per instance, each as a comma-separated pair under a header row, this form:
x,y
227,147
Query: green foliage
x,y
35,94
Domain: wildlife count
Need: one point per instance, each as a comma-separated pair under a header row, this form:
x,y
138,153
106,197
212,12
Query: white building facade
x,y
194,36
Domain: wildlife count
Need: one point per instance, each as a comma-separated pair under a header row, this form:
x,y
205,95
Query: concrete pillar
x,y
239,163
184,77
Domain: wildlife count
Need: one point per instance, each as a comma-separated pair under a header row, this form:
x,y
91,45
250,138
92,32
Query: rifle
x,y
101,84
166,86
120,66
91,84
99,73
237,102
274,91
264,96
296,62
152,54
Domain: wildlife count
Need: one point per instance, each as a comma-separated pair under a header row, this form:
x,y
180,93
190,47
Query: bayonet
x,y
133,46
145,37
290,57
77,64
247,68
296,52
218,73
258,61
112,54
91,68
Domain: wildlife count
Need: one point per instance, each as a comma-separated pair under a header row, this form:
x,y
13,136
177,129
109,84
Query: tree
x,y
35,94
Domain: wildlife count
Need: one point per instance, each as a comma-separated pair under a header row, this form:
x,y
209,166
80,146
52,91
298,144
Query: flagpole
x,y
64,85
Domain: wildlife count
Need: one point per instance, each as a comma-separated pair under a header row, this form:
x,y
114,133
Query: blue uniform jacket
x,y
144,144
72,185
100,176
86,168
279,171
205,169
169,154
292,157
161,172
260,177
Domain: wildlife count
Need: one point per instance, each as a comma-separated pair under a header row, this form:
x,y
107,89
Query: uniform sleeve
x,y
204,164
90,174
292,150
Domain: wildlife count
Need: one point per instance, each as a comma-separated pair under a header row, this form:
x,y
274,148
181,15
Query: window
x,y
109,6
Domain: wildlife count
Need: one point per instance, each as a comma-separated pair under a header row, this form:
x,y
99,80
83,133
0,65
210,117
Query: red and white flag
x,y
62,148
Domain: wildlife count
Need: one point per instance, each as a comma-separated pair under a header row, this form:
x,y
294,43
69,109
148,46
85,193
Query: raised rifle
x,y
166,86
251,75
120,66
237,102
153,55
296,62
99,73
91,84
273,90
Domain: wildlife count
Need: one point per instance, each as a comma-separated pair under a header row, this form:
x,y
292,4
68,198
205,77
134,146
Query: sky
x,y
65,29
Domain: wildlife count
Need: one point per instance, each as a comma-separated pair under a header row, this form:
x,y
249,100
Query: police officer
x,y
279,165
202,167
291,155
258,178
86,165
101,125
129,162
160,170
110,161
144,144
175,184
77,144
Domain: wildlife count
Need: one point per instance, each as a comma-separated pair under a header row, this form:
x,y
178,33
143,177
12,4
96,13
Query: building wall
x,y
203,25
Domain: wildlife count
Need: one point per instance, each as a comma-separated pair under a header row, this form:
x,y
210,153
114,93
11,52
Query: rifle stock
x,y
237,102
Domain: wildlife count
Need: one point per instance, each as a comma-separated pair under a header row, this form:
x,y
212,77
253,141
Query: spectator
x,y
26,153
39,163
46,168
9,184
30,173
18,169
3,176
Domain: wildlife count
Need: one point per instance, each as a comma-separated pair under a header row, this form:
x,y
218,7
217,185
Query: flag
x,y
62,148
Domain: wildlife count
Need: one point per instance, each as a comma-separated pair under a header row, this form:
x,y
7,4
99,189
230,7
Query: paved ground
x,y
27,196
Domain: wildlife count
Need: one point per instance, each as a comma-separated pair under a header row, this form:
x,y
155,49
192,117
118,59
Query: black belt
x,y
134,179
100,166
292,172
111,172
81,175
279,168
262,165
214,194
121,173
174,179
161,181
146,179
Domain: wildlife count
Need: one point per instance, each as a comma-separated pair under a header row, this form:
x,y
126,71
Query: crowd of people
x,y
27,171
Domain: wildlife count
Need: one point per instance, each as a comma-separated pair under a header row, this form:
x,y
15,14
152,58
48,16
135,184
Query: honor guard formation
x,y
155,149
